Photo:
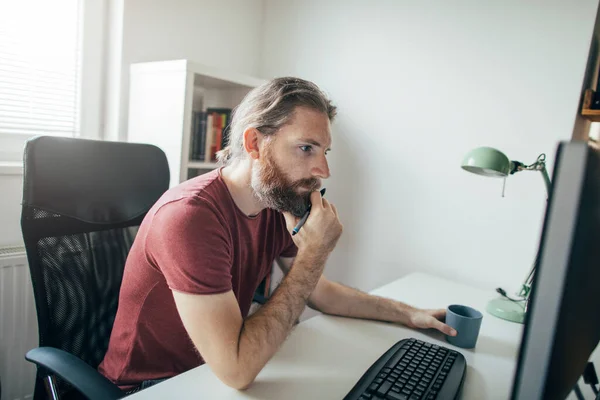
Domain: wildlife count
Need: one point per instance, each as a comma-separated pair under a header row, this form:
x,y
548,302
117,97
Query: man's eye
x,y
306,149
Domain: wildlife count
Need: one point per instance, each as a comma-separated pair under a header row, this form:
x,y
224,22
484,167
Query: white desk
x,y
325,356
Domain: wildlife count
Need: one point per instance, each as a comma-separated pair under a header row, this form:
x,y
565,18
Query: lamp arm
x,y
546,177
526,287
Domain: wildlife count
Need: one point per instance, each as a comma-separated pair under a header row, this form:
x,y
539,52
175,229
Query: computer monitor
x,y
562,326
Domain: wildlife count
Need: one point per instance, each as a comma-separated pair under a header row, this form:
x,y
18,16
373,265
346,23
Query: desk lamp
x,y
487,161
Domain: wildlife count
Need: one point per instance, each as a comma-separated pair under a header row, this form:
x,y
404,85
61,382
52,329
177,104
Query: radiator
x,y
18,325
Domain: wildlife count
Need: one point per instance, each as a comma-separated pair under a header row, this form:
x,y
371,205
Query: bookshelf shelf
x,y
165,97
586,111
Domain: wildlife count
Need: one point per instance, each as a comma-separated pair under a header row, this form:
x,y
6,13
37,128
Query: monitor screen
x,y
562,326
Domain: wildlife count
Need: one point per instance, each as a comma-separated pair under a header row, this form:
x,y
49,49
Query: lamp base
x,y
506,309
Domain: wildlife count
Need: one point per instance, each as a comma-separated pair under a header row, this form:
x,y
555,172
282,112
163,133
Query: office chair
x,y
83,201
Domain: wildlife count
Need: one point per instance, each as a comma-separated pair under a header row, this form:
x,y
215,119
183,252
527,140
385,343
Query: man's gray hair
x,y
269,107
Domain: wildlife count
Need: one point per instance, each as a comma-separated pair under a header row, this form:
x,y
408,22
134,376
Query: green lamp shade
x,y
487,161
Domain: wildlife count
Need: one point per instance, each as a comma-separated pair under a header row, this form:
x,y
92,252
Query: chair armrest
x,y
76,372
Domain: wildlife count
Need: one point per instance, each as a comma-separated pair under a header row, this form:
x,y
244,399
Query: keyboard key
x,y
378,380
383,389
406,391
396,396
396,388
394,360
394,375
390,379
373,387
414,397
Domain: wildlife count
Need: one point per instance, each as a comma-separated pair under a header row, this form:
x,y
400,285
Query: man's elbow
x,y
240,379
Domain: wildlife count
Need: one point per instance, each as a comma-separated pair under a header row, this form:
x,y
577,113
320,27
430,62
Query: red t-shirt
x,y
193,240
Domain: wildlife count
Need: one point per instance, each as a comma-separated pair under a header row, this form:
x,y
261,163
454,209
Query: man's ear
x,y
252,142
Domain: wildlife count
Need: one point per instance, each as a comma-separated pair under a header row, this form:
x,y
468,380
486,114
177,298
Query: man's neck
x,y
237,178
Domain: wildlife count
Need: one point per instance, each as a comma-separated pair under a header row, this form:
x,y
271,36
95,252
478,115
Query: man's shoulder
x,y
202,190
197,198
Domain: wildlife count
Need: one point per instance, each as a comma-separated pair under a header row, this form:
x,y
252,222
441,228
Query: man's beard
x,y
273,188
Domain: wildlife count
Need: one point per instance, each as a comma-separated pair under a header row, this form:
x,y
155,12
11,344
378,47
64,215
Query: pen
x,y
305,216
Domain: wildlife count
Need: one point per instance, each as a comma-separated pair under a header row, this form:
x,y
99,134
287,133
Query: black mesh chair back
x,y
83,201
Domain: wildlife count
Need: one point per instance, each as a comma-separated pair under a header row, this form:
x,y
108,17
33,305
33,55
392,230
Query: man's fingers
x,y
335,211
439,313
315,199
290,220
445,329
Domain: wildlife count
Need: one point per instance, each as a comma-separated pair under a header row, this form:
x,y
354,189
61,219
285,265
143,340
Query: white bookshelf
x,y
162,98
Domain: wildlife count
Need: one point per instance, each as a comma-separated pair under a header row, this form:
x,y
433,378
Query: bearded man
x,y
206,245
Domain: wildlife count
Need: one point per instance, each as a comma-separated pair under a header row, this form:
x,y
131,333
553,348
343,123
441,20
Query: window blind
x,y
40,46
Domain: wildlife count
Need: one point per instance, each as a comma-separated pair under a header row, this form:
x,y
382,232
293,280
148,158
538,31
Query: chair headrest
x,y
93,181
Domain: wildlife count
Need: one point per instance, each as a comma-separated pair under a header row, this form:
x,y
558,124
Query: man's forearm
x,y
348,302
264,332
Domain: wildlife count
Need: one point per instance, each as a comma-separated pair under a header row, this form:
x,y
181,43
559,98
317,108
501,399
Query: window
x,y
41,69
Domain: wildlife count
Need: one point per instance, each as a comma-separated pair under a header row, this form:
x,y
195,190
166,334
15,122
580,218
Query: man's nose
x,y
321,170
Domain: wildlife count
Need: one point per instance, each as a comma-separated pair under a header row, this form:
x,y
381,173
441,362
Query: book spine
x,y
202,137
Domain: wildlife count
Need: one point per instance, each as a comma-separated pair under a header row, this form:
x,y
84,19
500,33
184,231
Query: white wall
x,y
224,33
10,210
418,84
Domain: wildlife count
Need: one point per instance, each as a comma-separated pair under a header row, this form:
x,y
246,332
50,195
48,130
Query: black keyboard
x,y
412,370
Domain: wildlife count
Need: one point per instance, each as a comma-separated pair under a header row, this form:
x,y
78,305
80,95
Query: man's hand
x,y
322,229
429,319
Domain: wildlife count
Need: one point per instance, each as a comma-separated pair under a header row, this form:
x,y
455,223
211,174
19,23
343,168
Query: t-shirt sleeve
x,y
289,247
191,246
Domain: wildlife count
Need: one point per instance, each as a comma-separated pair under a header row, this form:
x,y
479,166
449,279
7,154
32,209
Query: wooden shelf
x,y
163,96
201,165
586,111
204,75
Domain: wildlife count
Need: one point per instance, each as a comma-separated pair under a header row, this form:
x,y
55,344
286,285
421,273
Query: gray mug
x,y
467,322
